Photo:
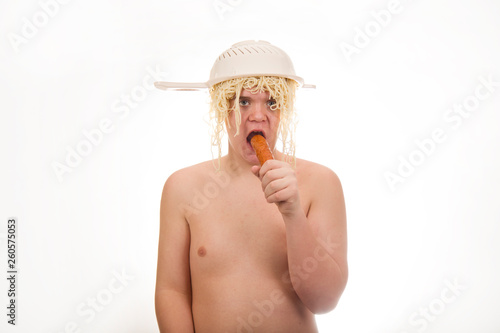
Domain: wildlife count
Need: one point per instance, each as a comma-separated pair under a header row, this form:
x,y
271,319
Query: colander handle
x,y
180,85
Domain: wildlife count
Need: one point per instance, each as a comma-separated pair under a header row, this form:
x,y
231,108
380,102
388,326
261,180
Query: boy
x,y
244,247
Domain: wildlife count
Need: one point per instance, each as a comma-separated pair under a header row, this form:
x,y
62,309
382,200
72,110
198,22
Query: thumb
x,y
256,169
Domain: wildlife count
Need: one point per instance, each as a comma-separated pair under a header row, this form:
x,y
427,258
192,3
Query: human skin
x,y
254,257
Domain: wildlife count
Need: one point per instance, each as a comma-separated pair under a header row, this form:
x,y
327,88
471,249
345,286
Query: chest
x,y
238,228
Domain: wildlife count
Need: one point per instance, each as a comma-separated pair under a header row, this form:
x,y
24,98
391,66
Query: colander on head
x,y
244,59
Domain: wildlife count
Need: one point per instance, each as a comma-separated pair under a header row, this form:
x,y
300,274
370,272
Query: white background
x,y
406,246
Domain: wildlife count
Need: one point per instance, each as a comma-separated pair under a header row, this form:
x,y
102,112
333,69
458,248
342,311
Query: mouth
x,y
254,133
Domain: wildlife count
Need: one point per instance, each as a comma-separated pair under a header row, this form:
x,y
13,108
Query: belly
x,y
239,303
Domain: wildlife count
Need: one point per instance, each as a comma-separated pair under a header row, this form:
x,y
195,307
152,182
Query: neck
x,y
235,164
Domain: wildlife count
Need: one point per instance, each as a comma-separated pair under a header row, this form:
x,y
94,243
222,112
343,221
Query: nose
x,y
258,112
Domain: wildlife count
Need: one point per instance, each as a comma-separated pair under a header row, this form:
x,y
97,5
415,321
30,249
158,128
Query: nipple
x,y
202,251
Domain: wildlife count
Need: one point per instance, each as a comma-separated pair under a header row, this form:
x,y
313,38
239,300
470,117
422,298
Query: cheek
x,y
231,124
275,119
229,121
233,116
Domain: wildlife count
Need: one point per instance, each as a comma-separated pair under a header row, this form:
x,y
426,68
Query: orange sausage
x,y
259,144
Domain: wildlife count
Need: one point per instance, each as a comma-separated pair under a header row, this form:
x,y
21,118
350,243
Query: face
x,y
256,115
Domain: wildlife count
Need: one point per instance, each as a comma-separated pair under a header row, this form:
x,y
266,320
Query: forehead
x,y
256,95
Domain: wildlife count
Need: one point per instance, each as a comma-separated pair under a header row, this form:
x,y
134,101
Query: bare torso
x,y
238,255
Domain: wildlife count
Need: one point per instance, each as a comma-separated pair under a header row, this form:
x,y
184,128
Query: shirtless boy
x,y
244,247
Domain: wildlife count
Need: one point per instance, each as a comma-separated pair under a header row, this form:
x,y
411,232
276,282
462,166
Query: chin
x,y
252,159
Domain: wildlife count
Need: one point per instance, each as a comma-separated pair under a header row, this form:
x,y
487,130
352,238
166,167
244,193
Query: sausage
x,y
259,144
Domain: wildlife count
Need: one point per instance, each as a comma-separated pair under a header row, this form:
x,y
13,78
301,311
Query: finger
x,y
272,175
256,169
281,195
269,165
275,186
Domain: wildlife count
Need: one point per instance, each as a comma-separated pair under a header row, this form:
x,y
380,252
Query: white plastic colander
x,y
243,59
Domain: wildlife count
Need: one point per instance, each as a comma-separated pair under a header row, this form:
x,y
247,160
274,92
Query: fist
x,y
279,183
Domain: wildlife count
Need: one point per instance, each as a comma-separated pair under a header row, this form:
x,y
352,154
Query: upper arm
x,y
327,215
173,271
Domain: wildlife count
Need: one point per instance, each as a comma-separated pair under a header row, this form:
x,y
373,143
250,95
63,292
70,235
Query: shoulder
x,y
183,180
316,173
318,181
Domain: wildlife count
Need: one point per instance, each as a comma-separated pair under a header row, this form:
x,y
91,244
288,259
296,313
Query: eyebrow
x,y
270,98
249,96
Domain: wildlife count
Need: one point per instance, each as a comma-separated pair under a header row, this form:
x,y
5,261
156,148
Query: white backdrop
x,y
406,111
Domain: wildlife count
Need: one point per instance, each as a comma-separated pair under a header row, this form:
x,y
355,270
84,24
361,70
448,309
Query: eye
x,y
244,102
271,102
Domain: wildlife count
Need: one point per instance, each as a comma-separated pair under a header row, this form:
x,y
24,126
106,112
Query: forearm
x,y
316,272
173,312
